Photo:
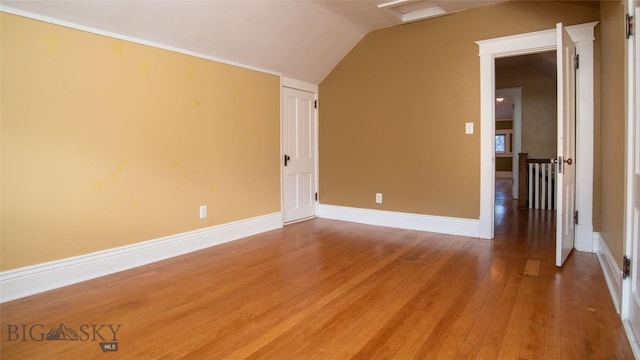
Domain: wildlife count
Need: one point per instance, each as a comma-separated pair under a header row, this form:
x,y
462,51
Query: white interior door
x,y
565,225
632,298
299,154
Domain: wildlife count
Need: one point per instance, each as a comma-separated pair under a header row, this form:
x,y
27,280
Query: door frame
x,y
516,138
286,82
528,43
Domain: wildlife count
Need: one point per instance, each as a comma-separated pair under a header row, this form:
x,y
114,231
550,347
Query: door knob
x,y
568,161
286,159
560,162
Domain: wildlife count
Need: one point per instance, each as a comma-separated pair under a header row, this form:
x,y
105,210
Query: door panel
x,y
565,226
299,154
633,301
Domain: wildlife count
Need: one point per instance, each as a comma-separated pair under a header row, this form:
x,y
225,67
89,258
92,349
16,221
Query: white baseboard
x,y
437,224
585,241
30,280
633,339
610,269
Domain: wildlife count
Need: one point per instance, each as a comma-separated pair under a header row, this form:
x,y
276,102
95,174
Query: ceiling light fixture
x,y
391,3
499,99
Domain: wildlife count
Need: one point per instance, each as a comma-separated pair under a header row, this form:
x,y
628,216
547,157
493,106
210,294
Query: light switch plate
x,y
468,128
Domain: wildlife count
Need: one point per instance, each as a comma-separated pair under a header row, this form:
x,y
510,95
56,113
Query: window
x,y
503,142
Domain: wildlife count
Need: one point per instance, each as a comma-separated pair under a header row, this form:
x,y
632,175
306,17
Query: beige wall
x,y
108,143
393,111
504,163
612,128
539,108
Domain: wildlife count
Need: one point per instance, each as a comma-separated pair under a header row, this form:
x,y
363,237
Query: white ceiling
x,y
303,40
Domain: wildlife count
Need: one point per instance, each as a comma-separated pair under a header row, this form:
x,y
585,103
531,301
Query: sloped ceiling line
x,y
302,40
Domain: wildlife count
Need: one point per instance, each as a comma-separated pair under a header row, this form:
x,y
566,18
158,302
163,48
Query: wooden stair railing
x,y
536,188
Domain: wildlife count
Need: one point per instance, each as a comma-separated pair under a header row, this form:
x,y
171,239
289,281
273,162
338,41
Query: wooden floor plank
x,y
425,311
324,289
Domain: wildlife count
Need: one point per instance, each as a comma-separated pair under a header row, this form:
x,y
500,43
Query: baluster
x,y
543,193
537,186
551,187
530,186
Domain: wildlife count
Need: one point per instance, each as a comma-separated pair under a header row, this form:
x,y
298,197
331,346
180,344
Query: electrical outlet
x,y
203,211
379,198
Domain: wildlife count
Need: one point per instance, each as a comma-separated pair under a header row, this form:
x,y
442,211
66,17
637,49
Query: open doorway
x,y
525,123
505,139
506,149
528,43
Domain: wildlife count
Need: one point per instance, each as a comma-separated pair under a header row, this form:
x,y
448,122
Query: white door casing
x,y
539,41
299,154
566,170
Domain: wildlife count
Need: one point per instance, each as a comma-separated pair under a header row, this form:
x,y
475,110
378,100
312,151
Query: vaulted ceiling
x,y
303,40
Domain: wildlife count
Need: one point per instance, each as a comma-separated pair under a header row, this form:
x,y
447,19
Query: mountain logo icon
x,y
62,333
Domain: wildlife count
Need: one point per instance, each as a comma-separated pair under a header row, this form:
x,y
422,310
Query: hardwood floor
x,y
324,289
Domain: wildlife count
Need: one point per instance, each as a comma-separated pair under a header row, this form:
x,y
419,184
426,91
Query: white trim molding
x,y
409,221
31,280
611,271
633,339
489,50
299,85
